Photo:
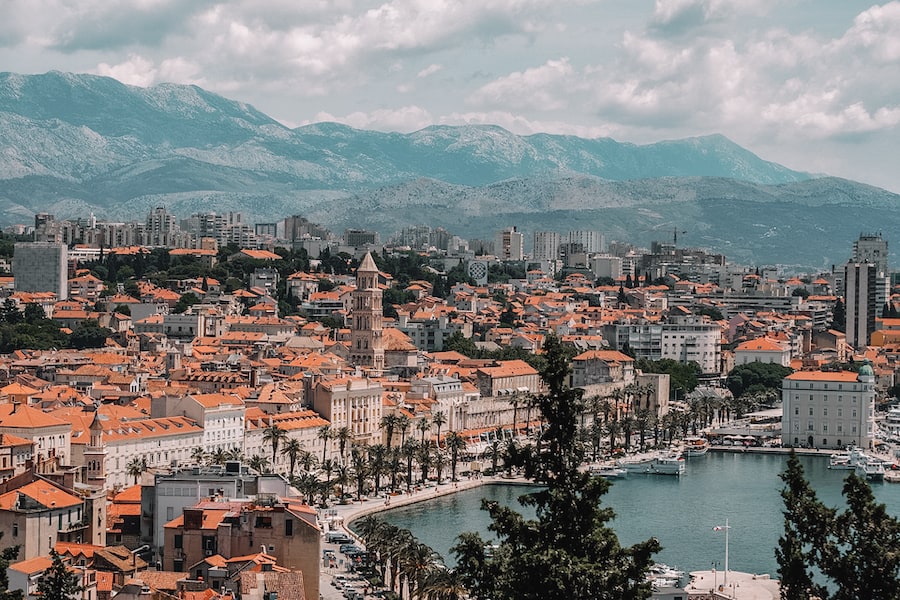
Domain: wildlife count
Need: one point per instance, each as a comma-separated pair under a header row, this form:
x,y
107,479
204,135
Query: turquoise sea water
x,y
681,512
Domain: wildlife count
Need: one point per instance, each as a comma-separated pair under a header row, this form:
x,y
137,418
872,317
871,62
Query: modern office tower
x,y
41,267
860,301
509,244
546,245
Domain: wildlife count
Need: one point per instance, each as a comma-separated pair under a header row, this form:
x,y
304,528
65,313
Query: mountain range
x,y
72,144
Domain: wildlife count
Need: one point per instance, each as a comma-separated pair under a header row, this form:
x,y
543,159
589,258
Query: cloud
x,y
540,88
429,70
143,72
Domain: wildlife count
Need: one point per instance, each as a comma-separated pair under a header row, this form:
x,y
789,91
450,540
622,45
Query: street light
x,y
715,566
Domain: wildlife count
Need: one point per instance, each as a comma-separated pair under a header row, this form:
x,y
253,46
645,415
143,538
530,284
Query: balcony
x,y
77,526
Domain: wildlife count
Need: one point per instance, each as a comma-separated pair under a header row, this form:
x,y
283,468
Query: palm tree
x,y
393,465
234,454
198,455
377,457
424,457
274,435
494,449
439,419
388,423
328,466
308,485
218,456
403,425
440,460
613,428
423,425
324,434
627,429
642,420
409,450
343,436
306,460
258,463
455,443
443,584
360,469
342,478
292,449
417,560
135,467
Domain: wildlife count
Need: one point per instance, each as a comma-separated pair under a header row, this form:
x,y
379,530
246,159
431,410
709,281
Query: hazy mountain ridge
x,y
71,144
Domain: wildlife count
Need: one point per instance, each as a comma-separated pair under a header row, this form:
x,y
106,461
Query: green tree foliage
x,y
802,292
756,377
567,552
7,557
89,334
28,329
839,316
186,301
683,375
58,582
710,311
856,551
457,342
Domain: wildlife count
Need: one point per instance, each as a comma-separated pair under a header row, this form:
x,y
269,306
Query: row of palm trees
x,y
402,562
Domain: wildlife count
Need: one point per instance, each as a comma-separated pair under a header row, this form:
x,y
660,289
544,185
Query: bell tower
x,y
95,454
367,343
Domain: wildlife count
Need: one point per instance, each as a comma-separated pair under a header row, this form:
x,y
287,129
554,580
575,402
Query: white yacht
x,y
661,463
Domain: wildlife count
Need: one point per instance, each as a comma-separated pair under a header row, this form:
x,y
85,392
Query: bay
x,y
680,511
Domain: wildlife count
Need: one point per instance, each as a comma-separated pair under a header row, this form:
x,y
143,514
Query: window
x,y
810,411
289,527
797,410
179,541
825,411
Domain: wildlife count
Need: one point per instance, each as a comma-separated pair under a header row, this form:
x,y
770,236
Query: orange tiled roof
x,y
42,492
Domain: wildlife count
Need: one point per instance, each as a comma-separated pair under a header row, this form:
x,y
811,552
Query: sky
x,y
811,84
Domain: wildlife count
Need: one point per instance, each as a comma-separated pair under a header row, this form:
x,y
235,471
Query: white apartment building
x,y
352,402
220,415
827,409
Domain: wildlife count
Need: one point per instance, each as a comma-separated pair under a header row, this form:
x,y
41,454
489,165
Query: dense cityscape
x,y
189,407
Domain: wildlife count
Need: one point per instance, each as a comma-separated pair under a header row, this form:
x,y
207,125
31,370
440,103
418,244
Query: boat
x,y
856,460
662,463
608,471
695,446
872,469
660,576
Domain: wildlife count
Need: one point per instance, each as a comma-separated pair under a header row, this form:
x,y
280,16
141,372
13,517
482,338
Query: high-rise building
x,y
509,244
161,228
591,241
860,301
366,341
546,245
872,248
41,267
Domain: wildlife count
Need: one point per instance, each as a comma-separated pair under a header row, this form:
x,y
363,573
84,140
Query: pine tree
x,y
568,552
857,551
796,548
58,582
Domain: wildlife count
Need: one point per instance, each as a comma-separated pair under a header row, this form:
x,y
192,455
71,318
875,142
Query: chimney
x,y
15,407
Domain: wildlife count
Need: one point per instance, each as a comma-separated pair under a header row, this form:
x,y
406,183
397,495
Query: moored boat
x,y
695,446
662,463
608,471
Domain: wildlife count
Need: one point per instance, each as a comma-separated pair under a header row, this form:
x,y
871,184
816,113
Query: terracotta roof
x,y
838,376
42,492
26,417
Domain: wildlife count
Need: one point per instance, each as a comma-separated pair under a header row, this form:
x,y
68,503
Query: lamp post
x,y
715,566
